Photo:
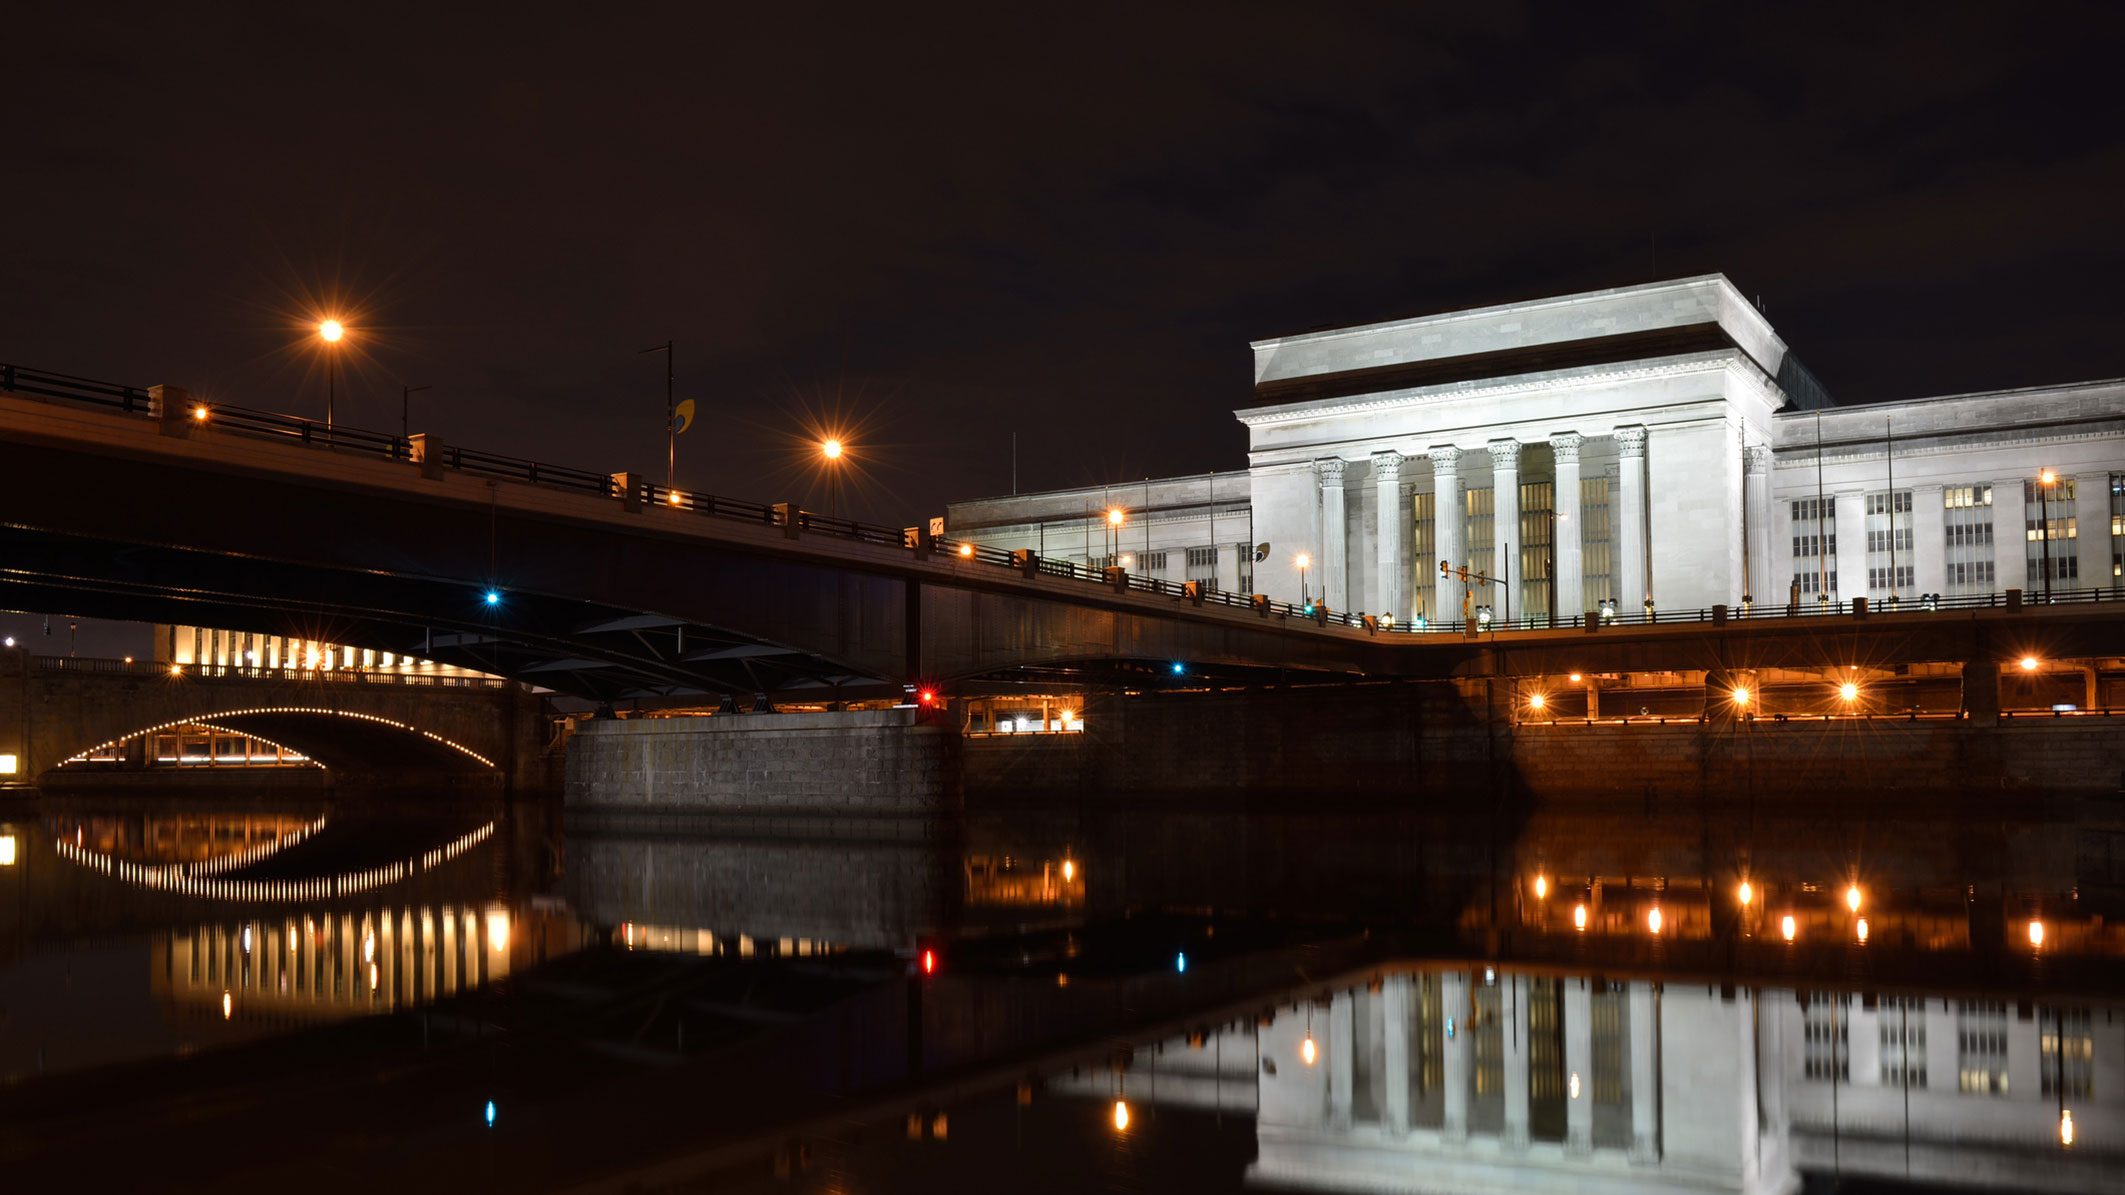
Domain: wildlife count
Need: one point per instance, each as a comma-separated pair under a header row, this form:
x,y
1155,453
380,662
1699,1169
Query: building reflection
x,y
1497,1078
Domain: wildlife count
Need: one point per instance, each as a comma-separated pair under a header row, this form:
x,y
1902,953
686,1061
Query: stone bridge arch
x,y
52,711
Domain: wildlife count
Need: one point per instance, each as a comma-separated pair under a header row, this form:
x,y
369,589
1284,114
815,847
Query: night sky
x,y
935,227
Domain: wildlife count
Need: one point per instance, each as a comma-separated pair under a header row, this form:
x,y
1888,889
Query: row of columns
x,y
1449,531
1396,1009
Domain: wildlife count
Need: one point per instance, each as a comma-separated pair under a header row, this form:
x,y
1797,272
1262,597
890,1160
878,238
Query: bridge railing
x,y
287,428
333,676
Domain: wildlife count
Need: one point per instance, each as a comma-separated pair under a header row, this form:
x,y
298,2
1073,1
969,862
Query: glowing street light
x,y
1852,897
1579,918
2066,1126
1121,1116
1308,1052
1860,930
2029,663
1849,692
1741,696
831,450
331,332
1746,894
1069,870
1541,887
1304,562
2036,933
1536,702
1653,920
1788,927
2046,480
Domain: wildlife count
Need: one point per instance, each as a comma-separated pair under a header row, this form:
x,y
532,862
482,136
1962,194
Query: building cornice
x,y
1525,384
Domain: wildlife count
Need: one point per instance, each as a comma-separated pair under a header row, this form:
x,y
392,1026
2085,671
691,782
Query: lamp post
x,y
1303,561
671,413
830,451
2044,481
1115,517
405,405
330,331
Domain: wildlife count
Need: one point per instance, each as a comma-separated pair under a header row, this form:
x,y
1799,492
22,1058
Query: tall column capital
x,y
1566,447
1630,441
1756,458
1444,457
1330,469
1387,466
1504,454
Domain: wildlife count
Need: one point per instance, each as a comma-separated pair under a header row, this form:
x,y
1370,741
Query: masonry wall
x,y
783,771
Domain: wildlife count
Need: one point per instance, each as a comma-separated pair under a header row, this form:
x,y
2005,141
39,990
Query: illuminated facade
x,y
192,647
1648,446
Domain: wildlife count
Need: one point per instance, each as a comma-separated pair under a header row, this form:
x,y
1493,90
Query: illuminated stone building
x,y
1646,446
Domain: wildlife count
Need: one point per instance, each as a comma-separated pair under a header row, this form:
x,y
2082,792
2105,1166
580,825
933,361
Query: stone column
x,y
1851,546
1394,1059
1453,1005
1342,1060
1505,526
1762,585
2010,539
2091,509
1570,568
1513,1002
1446,513
1632,584
1645,1073
1929,542
1578,1068
1334,563
1393,597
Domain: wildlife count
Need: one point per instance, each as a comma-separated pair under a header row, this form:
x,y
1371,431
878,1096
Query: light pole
x,y
2044,481
330,332
671,413
405,405
830,450
1115,517
1305,599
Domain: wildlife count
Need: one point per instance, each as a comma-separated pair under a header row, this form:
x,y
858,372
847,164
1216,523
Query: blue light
x,y
1180,962
490,1114
1177,669
494,597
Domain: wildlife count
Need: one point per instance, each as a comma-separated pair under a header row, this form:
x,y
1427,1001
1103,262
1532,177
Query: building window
x,y
1889,580
1826,1028
2068,1064
2117,529
1597,567
1424,549
2055,502
1478,542
1202,564
1903,1041
1244,553
1151,562
1815,548
1981,1047
1537,522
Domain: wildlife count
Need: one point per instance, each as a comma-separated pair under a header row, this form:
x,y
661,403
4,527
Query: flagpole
x,y
671,431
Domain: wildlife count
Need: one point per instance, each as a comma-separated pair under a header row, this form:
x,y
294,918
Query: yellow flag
x,y
682,417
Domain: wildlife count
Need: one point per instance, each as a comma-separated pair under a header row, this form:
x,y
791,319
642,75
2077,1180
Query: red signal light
x,y
929,962
927,697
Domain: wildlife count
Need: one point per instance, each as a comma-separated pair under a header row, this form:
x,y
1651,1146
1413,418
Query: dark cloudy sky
x,y
948,224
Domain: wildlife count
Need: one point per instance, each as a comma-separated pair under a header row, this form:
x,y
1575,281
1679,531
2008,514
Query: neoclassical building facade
x,y
1651,445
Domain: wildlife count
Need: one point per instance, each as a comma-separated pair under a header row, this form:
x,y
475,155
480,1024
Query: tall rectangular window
x,y
1478,541
1537,523
1424,549
1244,553
2067,1068
1609,1011
2117,529
1547,1094
1981,1047
1597,567
1486,1074
2056,503
1890,567
1967,532
1826,1030
1202,565
1903,1041
1815,548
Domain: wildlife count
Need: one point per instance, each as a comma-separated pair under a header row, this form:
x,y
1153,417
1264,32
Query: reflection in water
x,y
329,965
187,880
1499,1078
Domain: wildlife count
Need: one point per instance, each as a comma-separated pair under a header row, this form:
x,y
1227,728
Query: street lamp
x,y
330,331
2044,481
1115,517
830,450
1304,561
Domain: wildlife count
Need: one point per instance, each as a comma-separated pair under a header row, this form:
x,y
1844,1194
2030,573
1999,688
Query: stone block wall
x,y
797,767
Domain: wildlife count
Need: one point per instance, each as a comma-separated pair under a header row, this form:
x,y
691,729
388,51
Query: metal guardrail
x,y
135,400
333,676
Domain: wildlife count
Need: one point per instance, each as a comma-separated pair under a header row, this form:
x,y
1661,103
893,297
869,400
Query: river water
x,y
238,991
